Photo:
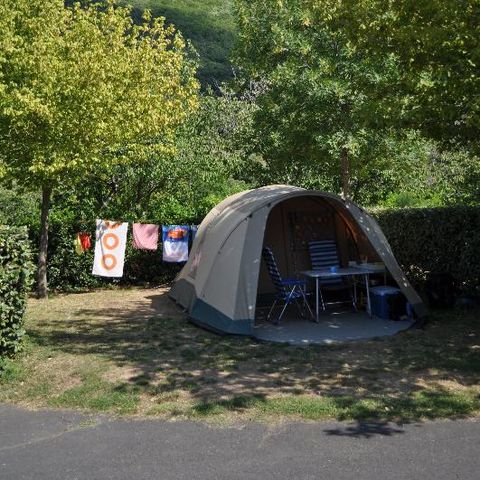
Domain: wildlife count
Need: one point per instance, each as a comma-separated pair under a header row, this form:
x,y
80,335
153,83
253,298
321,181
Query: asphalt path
x,y
65,445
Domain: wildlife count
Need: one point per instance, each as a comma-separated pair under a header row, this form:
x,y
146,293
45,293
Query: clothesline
x,y
111,241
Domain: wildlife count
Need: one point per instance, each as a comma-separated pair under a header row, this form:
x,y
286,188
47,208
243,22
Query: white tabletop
x,y
371,267
340,272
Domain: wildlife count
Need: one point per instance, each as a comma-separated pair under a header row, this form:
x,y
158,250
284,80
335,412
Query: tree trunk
x,y
345,173
42,287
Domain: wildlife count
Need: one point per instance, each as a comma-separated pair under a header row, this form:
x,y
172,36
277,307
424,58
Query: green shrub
x,y
443,239
15,276
66,270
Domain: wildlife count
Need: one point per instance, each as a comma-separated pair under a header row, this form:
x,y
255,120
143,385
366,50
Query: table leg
x,y
355,291
317,315
367,286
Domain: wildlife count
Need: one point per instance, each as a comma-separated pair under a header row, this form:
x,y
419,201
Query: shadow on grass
x,y
403,378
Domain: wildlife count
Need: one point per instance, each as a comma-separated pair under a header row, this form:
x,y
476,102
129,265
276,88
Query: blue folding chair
x,y
288,290
323,254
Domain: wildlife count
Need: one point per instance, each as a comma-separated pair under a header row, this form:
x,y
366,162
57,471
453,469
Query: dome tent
x,y
219,284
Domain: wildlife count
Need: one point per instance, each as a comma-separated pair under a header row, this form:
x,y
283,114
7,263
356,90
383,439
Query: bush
x,y
436,240
15,276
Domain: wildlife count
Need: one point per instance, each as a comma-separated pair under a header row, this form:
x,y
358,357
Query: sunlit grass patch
x,y
11,372
99,395
421,405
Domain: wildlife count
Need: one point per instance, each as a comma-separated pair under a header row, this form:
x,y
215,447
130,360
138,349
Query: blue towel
x,y
175,243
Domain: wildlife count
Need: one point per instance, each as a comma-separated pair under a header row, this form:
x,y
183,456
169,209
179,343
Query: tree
x,y
81,88
436,45
323,109
209,163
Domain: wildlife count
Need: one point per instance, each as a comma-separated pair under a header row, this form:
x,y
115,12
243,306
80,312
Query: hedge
x,y
15,275
445,239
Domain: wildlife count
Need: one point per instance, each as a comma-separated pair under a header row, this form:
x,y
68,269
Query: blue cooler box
x,y
379,300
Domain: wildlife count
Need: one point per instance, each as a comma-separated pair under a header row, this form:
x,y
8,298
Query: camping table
x,y
339,272
372,268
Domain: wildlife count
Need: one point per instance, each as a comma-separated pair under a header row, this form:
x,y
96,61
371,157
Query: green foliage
x,y
415,172
83,88
209,163
208,24
18,207
15,276
436,45
322,97
410,199
436,240
78,84
386,86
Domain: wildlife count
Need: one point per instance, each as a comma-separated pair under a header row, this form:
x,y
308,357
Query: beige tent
x,y
224,275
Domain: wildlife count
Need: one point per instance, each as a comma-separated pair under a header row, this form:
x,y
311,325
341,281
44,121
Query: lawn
x,y
130,352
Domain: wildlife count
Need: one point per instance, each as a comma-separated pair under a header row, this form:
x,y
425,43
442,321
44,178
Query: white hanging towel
x,y
110,242
175,243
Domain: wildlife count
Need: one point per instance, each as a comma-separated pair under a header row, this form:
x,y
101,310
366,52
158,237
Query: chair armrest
x,y
293,281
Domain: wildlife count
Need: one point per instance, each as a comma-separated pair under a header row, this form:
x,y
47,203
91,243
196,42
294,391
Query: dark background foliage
x,y
209,25
437,240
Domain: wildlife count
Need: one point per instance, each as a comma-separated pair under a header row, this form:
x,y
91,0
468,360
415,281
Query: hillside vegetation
x,y
210,26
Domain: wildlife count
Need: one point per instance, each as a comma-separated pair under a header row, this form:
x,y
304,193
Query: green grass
x,y
98,395
209,24
421,405
128,352
11,372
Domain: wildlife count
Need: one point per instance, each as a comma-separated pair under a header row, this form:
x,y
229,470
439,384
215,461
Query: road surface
x,y
51,445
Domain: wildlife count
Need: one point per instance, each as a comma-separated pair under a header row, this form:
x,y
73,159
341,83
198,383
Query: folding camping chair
x,y
323,254
287,289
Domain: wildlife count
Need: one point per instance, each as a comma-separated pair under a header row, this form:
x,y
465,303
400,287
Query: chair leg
x,y
277,321
271,309
321,298
287,301
297,304
305,302
354,303
299,308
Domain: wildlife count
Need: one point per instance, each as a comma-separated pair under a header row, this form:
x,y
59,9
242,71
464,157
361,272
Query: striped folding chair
x,y
324,254
288,290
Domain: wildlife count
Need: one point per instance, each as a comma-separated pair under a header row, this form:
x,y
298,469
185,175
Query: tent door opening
x,y
290,226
